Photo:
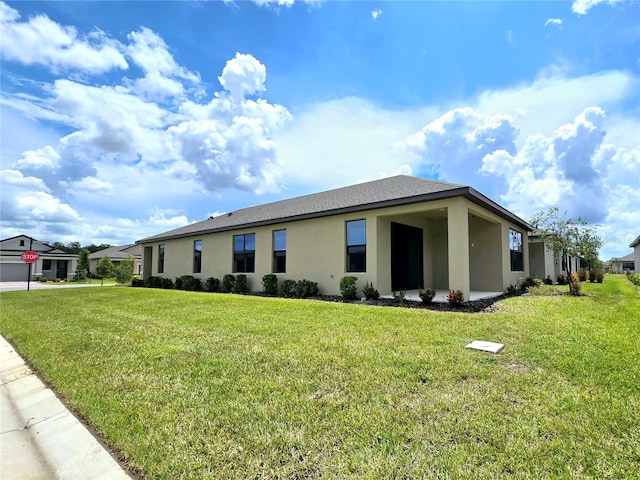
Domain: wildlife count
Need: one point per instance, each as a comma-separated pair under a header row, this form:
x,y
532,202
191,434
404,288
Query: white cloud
x,y
581,7
553,21
376,13
243,75
42,41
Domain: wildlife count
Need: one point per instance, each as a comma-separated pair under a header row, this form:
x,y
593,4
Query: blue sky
x,y
121,120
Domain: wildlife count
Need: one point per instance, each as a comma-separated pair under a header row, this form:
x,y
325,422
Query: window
x,y
160,258
357,246
46,264
244,253
515,250
279,251
197,256
22,243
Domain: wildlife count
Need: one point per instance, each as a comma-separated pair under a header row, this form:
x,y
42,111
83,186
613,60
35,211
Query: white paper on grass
x,y
485,346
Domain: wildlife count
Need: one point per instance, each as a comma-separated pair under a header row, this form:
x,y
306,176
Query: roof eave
x,y
466,192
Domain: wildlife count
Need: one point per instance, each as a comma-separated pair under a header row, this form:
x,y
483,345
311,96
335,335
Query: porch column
x,y
458,246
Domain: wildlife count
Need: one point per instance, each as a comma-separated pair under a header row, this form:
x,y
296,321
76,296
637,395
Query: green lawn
x,y
197,385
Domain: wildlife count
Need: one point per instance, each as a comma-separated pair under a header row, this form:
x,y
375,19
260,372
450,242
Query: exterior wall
x,y
636,256
316,249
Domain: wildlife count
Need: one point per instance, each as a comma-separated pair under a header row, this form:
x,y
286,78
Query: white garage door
x,y
13,272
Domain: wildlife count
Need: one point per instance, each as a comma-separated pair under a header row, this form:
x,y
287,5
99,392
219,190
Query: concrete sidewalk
x,y
39,437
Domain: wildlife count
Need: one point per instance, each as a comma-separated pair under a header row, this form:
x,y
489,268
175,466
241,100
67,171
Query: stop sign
x,y
30,257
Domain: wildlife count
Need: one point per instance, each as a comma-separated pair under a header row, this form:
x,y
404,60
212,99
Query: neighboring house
x,y
543,262
117,254
53,263
400,233
624,264
636,253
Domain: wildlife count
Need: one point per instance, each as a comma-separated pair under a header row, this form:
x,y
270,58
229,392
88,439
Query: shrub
x,y
400,296
547,280
189,283
166,283
455,297
635,279
545,290
154,282
427,295
137,282
287,288
348,288
575,287
599,275
306,288
369,292
531,282
592,275
562,279
270,284
582,275
512,289
227,283
241,284
211,284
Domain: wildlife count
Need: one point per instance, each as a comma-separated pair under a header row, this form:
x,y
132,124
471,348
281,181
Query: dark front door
x,y
406,257
61,269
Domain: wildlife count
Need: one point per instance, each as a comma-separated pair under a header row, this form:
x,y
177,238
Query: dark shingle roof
x,y
391,191
635,243
117,253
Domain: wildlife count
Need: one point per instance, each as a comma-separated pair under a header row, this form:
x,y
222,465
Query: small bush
x,y
455,297
562,279
530,282
306,288
227,283
212,284
369,292
599,274
545,290
635,279
547,280
154,282
582,275
512,289
287,288
166,283
137,282
348,288
270,284
188,283
575,287
42,279
427,295
400,296
241,284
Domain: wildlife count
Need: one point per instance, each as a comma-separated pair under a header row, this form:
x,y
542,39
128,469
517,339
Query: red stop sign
x,y
30,257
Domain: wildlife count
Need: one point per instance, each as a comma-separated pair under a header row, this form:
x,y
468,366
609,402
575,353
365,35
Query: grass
x,y
196,385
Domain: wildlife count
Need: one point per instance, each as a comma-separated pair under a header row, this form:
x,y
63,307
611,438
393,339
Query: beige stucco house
x,y
543,262
52,262
636,253
399,233
117,254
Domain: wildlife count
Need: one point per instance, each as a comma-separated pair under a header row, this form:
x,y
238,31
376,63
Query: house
x,y
399,233
543,262
117,254
624,264
52,262
636,253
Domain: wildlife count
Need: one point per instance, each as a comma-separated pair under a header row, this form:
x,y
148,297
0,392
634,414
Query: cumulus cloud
x,y
243,75
581,7
559,169
42,41
376,13
454,145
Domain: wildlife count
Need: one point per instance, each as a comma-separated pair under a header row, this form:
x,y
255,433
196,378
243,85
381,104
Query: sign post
x,y
30,257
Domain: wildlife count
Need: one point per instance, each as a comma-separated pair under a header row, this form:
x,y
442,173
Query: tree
x,y
124,271
567,238
83,265
104,268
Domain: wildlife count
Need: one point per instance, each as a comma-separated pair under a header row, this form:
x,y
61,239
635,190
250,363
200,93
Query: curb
x,y
64,445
